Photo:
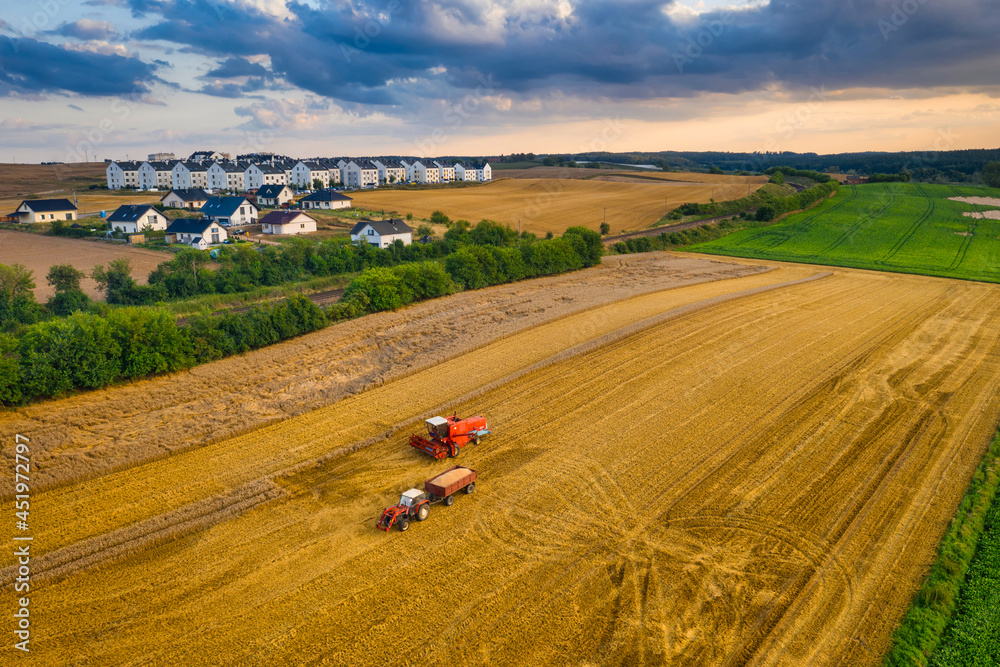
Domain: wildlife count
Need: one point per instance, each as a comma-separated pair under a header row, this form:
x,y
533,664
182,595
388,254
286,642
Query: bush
x,y
380,287
765,214
79,351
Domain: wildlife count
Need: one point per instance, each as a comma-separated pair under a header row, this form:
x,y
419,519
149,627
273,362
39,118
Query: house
x,y
230,210
264,173
467,172
325,199
447,172
306,171
855,180
199,233
207,156
192,199
134,219
409,170
426,173
225,176
382,233
273,196
390,171
333,168
189,175
154,175
287,222
123,174
41,210
359,173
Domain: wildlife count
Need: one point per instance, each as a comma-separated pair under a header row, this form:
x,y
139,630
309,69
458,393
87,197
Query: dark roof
x,y
42,205
160,166
189,226
188,194
128,165
326,195
223,206
383,227
231,167
364,164
129,213
270,191
270,169
282,217
193,166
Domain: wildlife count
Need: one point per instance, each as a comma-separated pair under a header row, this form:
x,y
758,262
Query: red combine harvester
x,y
416,504
449,434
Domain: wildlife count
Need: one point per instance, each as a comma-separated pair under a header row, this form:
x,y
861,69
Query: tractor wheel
x,y
470,488
403,524
449,501
423,512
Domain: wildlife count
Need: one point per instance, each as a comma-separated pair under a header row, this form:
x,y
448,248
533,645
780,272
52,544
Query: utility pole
x,y
519,228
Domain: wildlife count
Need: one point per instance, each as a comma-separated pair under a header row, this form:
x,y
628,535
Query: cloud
x,y
358,51
101,47
236,67
35,67
86,29
73,106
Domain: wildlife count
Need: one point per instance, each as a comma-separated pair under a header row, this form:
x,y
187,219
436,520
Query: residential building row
x,y
216,175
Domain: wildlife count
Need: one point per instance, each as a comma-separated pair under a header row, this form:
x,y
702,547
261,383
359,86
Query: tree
x,y
317,184
714,170
392,178
425,230
991,174
439,218
778,178
605,228
65,280
765,214
17,298
550,161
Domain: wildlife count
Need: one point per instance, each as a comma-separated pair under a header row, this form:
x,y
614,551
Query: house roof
x,y
189,225
283,217
128,165
129,213
383,227
231,167
270,191
270,169
188,194
314,166
223,206
44,205
161,166
193,166
326,195
365,164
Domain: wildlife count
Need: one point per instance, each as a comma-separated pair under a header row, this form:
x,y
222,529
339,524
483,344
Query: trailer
x,y
415,504
449,434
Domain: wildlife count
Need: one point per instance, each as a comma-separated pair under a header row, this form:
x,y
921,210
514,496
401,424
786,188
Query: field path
x,y
748,471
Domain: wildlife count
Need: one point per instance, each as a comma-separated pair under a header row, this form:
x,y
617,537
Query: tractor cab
x,y
411,498
438,427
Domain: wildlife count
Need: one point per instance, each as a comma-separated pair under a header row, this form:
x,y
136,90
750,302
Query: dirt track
x,y
750,471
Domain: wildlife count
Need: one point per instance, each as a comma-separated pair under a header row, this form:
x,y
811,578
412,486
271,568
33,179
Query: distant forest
x,y
927,166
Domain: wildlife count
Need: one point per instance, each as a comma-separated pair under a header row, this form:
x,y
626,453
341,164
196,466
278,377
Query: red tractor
x,y
449,434
416,504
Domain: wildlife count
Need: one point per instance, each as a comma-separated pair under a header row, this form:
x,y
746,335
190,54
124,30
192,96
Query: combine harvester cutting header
x,y
449,434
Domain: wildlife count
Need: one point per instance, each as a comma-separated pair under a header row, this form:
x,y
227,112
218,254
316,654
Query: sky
x,y
95,79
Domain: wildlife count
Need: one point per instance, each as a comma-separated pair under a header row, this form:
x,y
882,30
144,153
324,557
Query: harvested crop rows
x,y
555,204
750,471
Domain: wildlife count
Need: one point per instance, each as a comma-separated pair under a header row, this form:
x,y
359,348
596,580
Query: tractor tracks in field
x,y
905,238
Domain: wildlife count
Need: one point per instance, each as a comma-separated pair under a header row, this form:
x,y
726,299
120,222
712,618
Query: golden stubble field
x,y
38,253
745,471
555,204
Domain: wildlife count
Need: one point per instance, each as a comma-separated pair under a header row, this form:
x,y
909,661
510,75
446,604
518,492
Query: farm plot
x,y
38,253
753,471
909,228
553,205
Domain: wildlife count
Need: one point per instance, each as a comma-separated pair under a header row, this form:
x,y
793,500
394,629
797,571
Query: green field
x,y
901,227
972,638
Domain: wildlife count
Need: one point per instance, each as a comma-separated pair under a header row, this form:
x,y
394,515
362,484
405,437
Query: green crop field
x,y
902,227
972,638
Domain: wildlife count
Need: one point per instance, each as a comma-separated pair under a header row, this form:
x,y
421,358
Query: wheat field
x,y
746,470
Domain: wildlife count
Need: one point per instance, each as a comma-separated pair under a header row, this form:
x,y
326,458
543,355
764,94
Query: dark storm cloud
x,y
361,51
30,66
235,67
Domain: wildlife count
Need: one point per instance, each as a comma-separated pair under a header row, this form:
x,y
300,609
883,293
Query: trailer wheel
x,y
476,440
471,487
423,512
449,500
403,525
